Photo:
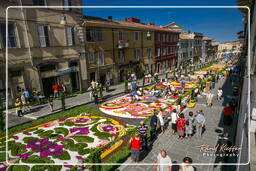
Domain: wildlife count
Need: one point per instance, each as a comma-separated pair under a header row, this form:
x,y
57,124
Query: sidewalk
x,y
43,110
177,149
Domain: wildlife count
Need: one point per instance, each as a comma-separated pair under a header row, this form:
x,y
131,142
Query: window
x,y
70,36
93,34
43,35
49,67
12,42
163,37
136,35
101,58
38,2
148,35
120,35
67,3
159,37
121,56
137,53
149,52
90,57
164,51
73,63
15,73
158,51
167,37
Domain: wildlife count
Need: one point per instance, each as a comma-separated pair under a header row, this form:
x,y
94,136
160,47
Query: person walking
x,y
164,162
181,122
27,96
153,125
55,88
189,125
107,84
186,165
95,95
209,98
50,102
220,92
227,115
200,123
174,117
18,107
64,88
142,130
161,121
135,145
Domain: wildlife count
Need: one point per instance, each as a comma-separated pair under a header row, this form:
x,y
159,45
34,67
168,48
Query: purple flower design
x,y
15,137
45,147
69,166
80,130
108,128
23,156
79,157
61,138
27,133
63,119
82,120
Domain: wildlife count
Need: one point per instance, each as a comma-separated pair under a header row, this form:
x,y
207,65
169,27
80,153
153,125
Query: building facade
x,y
197,48
41,50
166,49
185,50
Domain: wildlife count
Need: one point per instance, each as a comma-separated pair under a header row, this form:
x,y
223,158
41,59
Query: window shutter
x,y
69,36
42,35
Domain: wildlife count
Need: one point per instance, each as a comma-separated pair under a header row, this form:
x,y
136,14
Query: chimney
x,y
151,24
132,20
110,18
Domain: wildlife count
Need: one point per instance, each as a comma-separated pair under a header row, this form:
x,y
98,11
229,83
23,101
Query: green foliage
x,y
38,159
18,168
45,134
27,139
63,131
16,148
84,151
2,156
86,139
46,167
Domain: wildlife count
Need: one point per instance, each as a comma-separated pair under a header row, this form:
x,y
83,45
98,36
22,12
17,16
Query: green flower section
x,y
86,139
48,167
62,131
19,168
38,159
16,148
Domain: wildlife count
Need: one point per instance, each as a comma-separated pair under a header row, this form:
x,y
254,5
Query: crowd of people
x,y
26,98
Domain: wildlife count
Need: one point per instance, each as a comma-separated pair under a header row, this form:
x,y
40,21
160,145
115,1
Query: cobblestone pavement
x,y
177,149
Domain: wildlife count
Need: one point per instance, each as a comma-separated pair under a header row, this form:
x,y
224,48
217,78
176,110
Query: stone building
x,y
41,50
186,44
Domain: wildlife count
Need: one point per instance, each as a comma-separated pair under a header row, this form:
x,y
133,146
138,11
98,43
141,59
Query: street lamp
x,y
63,20
148,34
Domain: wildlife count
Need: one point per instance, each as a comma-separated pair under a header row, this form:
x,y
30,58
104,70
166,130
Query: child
x,y
18,107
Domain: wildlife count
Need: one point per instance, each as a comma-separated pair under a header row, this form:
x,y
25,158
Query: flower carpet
x,y
124,106
63,141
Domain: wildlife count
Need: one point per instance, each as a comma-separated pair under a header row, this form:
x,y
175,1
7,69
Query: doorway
x,y
47,85
74,81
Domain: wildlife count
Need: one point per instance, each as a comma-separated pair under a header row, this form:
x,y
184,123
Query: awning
x,y
66,71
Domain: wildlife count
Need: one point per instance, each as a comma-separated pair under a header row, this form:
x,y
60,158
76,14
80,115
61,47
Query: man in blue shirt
x,y
26,95
153,125
200,122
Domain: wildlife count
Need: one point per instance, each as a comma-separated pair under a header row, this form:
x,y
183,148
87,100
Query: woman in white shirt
x,y
161,121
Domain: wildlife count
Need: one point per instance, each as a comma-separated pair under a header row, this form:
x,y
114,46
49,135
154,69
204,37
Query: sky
x,y
222,24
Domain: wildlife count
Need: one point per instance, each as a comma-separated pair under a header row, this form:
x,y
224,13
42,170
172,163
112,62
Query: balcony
x,y
122,44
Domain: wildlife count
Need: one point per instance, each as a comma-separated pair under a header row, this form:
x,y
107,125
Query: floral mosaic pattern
x,y
125,107
66,140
